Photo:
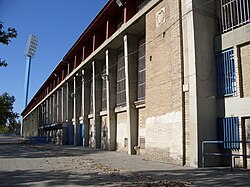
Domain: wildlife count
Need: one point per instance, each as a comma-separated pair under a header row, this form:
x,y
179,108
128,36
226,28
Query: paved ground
x,y
51,165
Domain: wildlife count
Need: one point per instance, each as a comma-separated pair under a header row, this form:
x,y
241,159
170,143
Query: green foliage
x,y
5,37
3,63
4,130
7,116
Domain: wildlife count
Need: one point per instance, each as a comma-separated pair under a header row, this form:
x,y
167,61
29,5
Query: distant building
x,y
153,77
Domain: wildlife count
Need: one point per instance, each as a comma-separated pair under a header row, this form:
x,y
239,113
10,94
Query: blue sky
x,y
57,23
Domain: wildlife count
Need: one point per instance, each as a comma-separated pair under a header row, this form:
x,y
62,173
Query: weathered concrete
x,y
111,59
86,76
131,45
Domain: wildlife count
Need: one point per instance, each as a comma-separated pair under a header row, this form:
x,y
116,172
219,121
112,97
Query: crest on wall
x,y
160,17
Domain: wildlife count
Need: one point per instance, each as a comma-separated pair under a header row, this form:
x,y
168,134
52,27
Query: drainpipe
x,y
182,83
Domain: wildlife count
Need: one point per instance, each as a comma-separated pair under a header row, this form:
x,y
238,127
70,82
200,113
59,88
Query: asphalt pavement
x,y
23,164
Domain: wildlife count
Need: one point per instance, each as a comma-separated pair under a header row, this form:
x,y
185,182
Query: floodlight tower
x,y
29,53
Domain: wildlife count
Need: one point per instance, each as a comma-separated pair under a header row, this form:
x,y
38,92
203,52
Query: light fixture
x,y
78,75
104,76
120,3
31,46
72,94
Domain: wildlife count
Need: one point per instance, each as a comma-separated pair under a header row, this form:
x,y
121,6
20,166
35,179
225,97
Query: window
x,y
104,90
226,80
141,70
121,82
233,13
228,130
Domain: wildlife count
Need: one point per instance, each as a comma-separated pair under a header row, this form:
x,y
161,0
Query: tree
x,y
5,37
7,116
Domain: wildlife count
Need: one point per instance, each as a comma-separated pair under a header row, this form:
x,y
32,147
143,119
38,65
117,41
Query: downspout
x,y
182,83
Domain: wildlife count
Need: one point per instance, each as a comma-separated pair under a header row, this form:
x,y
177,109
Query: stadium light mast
x,y
30,52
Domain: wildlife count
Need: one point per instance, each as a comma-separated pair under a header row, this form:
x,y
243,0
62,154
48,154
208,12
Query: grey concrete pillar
x,y
42,113
97,101
39,118
69,110
47,111
55,108
131,45
197,67
76,108
65,102
59,106
70,95
50,109
86,76
111,59
74,114
62,104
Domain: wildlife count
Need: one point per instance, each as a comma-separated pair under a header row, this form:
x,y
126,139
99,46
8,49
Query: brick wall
x,y
141,130
163,84
245,66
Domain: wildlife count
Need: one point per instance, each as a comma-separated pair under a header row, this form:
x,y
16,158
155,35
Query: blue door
x,y
82,134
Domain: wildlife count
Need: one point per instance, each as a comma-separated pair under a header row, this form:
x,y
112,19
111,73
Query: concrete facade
x,y
163,103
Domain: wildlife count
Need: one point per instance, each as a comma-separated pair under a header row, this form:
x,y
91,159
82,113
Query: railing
x,y
233,14
221,154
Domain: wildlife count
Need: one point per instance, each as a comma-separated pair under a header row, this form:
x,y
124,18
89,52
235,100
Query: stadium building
x,y
155,78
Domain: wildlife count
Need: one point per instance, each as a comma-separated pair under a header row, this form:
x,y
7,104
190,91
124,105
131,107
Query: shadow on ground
x,y
12,147
90,176
142,178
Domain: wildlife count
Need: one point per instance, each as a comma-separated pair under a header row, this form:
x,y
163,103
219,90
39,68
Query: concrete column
x,y
55,106
74,115
97,101
65,102
76,101
50,109
131,45
42,113
111,59
62,104
199,29
47,111
40,117
59,106
190,75
86,76
70,96
68,106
